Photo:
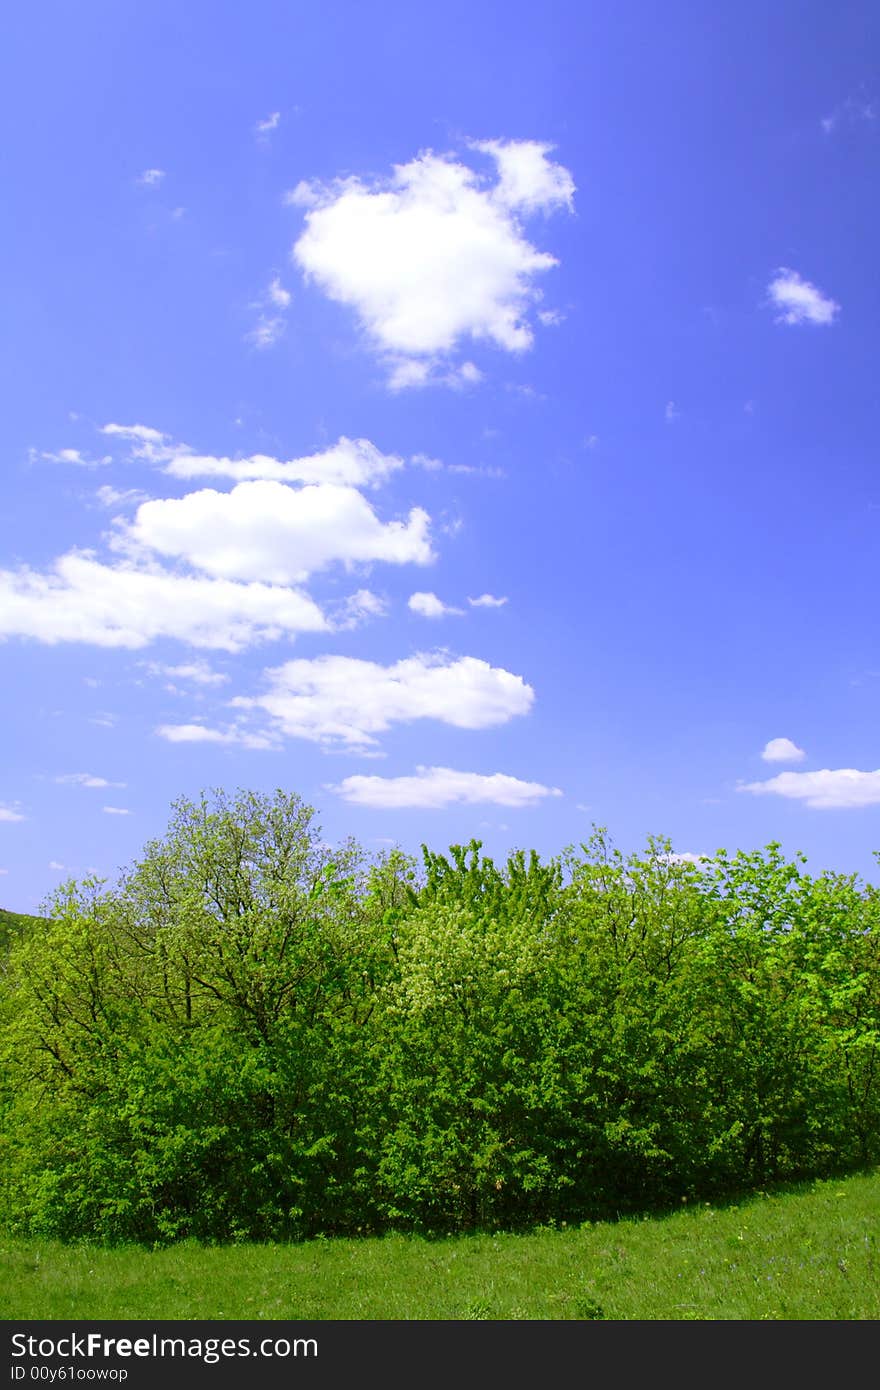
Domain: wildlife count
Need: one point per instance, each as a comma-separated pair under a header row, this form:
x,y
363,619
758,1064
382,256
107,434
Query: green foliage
x,y
255,1036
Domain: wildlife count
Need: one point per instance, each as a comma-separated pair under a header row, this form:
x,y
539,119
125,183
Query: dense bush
x,y
253,1035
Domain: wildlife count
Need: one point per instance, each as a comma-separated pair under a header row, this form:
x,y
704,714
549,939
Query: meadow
x,y
807,1253
262,1078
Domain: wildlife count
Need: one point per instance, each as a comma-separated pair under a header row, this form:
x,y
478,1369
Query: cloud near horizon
x,y
827,789
438,787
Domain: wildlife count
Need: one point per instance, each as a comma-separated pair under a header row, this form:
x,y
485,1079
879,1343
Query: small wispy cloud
x,y
799,301
151,178
109,496
270,123
9,813
196,672
115,811
487,601
144,442
76,456
852,111
266,331
85,779
278,294
671,413
355,609
201,733
271,323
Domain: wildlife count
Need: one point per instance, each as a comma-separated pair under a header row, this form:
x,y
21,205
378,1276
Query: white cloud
x,y
120,497
671,413
824,790
436,787
115,811
350,462
686,857
144,434
487,601
199,672
782,750
271,323
798,300
8,814
404,372
849,112
85,779
58,867
357,608
83,600
151,178
270,123
147,443
340,700
266,331
433,256
77,457
527,179
278,295
200,733
430,606
265,530
4,871
305,195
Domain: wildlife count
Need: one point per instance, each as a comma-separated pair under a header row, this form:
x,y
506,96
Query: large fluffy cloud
x,y
436,253
435,787
825,789
347,702
268,531
122,605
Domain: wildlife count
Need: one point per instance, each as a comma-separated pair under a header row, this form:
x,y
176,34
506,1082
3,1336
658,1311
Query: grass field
x,y
809,1253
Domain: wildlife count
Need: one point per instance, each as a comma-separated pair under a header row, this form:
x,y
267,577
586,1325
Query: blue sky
x,y
464,417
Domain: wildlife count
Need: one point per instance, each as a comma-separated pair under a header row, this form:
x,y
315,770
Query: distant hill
x,y
14,925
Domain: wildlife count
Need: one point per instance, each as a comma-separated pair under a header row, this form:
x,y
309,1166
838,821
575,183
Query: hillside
x,y
14,925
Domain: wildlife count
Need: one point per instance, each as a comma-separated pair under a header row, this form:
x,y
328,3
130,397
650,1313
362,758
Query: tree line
x,y
255,1035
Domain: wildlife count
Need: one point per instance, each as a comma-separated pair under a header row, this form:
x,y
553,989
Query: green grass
x,y
809,1253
